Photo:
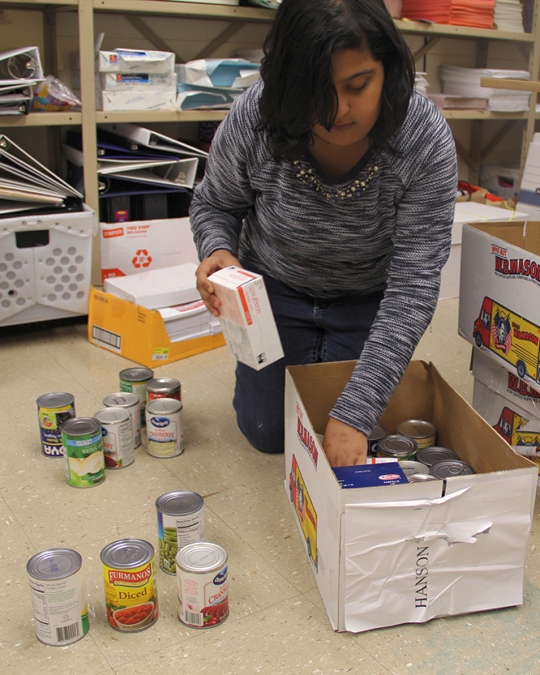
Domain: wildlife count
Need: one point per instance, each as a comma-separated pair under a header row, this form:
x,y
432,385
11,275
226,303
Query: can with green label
x,y
82,439
135,380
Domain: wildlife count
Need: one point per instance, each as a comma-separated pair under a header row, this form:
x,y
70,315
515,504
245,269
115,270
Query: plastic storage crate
x,y
45,266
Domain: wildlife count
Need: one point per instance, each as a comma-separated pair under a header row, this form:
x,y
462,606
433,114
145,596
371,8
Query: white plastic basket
x,y
45,266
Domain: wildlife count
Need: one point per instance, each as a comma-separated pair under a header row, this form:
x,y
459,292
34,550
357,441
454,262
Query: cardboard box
x,y
508,404
138,334
408,553
138,81
246,317
131,247
499,306
152,99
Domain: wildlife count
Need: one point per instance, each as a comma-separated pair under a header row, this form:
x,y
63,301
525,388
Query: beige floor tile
x,y
15,547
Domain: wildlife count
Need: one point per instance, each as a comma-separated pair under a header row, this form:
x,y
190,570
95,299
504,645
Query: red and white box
x,y
246,317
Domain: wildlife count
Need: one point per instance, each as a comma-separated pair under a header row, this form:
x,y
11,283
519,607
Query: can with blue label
x,y
53,410
164,428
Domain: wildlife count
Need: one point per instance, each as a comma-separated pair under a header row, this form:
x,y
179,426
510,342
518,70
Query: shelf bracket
x,y
431,42
225,35
150,35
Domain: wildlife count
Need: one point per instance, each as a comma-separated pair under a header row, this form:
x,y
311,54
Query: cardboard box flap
x,y
526,234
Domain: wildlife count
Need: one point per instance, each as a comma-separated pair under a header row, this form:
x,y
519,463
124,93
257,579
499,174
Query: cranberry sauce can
x,y
129,575
53,410
203,586
164,428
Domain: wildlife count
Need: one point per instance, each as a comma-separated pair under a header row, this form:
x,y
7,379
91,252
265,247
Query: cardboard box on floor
x,y
408,553
499,303
137,333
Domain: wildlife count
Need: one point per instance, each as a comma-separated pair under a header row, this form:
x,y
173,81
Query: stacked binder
x,y
20,71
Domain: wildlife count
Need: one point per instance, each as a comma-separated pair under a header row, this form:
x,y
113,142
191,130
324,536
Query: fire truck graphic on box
x,y
509,427
510,336
304,510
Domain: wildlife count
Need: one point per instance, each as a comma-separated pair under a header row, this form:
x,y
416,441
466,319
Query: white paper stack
x,y
156,289
420,83
188,321
133,79
466,82
508,15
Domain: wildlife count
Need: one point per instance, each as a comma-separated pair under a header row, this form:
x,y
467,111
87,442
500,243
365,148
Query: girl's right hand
x,y
216,261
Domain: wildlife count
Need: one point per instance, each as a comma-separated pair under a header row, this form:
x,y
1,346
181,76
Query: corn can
x,y
58,596
129,575
82,439
203,587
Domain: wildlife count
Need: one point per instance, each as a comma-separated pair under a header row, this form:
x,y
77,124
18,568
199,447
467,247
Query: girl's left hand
x,y
343,445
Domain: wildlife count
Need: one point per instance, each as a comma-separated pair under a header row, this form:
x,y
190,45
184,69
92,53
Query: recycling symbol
x,y
141,259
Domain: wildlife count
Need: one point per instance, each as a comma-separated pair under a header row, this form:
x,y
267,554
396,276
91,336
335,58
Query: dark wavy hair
x,y
296,70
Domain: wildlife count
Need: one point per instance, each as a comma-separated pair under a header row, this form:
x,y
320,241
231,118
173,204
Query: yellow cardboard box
x,y
137,333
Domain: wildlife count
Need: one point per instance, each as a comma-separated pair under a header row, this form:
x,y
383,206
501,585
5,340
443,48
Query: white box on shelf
x,y
138,81
246,317
45,266
135,61
152,99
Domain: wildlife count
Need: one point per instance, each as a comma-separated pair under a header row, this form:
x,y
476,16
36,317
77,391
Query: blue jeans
x,y
311,331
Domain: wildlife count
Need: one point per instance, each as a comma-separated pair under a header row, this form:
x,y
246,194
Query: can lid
x,y
416,428
451,467
434,454
377,433
127,553
122,399
136,374
81,426
179,503
201,556
163,384
112,415
56,563
421,477
56,399
411,468
163,405
397,445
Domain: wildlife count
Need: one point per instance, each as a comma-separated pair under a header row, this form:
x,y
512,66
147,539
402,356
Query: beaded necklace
x,y
307,174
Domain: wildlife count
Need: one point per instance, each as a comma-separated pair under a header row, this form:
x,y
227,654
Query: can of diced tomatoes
x,y
129,574
53,410
203,586
134,380
58,596
82,438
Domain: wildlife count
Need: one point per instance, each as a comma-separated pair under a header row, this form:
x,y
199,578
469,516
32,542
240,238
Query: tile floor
x,y
277,623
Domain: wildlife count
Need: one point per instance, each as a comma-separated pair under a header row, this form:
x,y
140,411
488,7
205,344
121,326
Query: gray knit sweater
x,y
386,224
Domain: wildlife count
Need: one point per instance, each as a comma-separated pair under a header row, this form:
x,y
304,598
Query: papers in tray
x,y
466,82
188,321
509,16
20,71
156,289
26,185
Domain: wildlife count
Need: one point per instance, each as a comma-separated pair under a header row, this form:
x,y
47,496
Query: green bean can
x,y
134,380
180,516
82,439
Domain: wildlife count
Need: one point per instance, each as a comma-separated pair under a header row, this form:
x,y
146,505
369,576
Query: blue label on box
x,y
370,475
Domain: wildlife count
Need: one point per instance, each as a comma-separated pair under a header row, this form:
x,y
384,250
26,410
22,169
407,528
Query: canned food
x,y
374,437
164,428
421,477
134,381
412,468
82,438
118,441
424,433
203,587
53,410
180,522
398,447
58,596
163,387
129,574
434,454
448,468
132,404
